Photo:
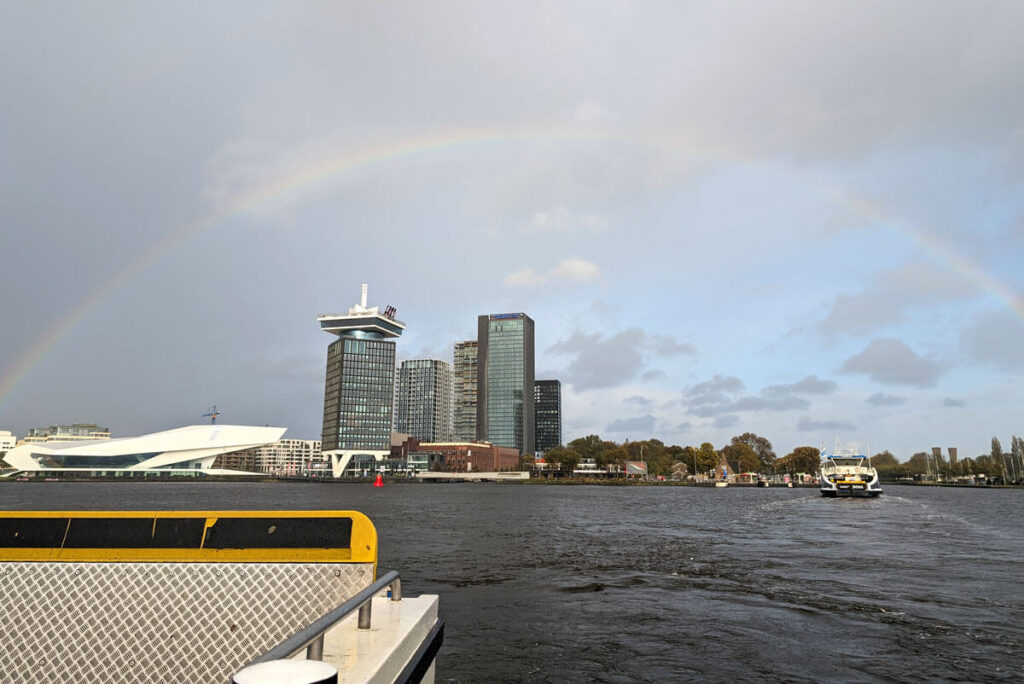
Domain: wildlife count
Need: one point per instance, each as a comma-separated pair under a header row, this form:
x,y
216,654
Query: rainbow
x,y
338,164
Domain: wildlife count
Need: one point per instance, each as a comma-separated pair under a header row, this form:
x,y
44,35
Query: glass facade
x,y
465,389
358,393
423,405
547,399
505,411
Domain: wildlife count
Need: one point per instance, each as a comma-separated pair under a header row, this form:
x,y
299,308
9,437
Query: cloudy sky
x,y
800,219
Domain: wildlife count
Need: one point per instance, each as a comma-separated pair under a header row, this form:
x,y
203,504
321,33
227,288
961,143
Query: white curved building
x,y
188,449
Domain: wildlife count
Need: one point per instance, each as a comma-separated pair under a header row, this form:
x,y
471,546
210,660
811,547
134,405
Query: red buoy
x,y
379,482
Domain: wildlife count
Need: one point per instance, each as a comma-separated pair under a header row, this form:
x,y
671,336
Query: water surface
x,y
624,584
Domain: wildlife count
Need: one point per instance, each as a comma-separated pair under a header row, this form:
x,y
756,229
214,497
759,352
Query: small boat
x,y
848,474
721,483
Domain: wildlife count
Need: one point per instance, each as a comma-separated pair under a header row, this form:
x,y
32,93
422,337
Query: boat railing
x,y
312,637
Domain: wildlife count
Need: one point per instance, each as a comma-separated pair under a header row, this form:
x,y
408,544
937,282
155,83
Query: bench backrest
x,y
144,596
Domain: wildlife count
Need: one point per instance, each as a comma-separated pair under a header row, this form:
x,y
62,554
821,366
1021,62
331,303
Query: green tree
x,y
884,459
613,455
563,458
920,463
526,462
761,447
742,458
998,458
804,459
707,458
590,446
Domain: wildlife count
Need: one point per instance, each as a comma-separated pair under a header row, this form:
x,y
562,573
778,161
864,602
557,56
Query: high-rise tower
x,y
465,389
505,376
423,403
359,386
548,411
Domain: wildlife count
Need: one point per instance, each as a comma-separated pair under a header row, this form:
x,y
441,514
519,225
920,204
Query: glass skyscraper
x,y
465,389
423,405
360,385
548,412
505,379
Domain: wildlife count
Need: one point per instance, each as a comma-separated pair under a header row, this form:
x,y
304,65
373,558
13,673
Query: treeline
x,y
748,452
998,464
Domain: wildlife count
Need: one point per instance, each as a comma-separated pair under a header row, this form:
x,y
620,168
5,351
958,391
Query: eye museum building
x,y
189,450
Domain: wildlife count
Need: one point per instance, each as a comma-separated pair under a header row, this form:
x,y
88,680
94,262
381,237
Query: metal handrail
x,y
312,637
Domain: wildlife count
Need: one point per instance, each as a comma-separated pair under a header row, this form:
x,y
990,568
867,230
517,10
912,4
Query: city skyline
x,y
803,221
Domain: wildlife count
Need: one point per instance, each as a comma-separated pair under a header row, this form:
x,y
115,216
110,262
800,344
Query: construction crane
x,y
212,415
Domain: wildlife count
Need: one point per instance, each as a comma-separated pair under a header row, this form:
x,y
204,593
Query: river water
x,y
625,584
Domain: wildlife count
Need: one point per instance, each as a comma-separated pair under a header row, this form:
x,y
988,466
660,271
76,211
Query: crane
x,y
212,415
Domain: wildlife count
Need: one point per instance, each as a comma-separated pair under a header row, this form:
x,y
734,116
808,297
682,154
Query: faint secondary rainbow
x,y
340,163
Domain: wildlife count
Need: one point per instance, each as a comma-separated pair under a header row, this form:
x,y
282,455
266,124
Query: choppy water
x,y
623,584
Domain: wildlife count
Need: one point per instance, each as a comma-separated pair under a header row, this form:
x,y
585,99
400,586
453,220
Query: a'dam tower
x,y
359,386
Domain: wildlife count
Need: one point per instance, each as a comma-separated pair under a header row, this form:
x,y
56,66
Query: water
x,y
624,584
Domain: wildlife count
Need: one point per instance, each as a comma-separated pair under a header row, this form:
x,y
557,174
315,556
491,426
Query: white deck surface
x,y
380,653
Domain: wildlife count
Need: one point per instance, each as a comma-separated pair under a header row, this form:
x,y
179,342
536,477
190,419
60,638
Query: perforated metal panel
x,y
158,622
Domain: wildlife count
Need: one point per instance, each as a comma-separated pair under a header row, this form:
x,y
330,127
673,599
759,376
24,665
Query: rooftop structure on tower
x,y
363,322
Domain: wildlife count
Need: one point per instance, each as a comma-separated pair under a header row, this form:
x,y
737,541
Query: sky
x,y
799,219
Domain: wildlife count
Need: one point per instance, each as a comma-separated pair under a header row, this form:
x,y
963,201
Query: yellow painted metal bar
x,y
362,547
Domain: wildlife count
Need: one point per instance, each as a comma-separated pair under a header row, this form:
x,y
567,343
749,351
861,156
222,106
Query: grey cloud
x,y
890,362
995,339
608,362
638,400
785,403
685,426
667,346
882,399
809,385
949,402
639,424
810,425
725,421
602,362
713,391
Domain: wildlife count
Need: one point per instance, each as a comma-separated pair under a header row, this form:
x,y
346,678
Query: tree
x,y
804,459
614,455
707,458
920,463
590,446
762,448
997,456
884,459
741,457
565,459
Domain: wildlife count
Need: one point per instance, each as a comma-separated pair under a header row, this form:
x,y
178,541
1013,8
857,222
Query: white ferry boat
x,y
848,474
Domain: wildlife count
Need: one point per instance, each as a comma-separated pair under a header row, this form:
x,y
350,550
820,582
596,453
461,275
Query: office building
x,y
78,432
464,384
547,405
423,402
188,450
359,386
505,378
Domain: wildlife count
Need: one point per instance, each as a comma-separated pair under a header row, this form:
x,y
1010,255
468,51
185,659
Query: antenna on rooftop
x,y
212,415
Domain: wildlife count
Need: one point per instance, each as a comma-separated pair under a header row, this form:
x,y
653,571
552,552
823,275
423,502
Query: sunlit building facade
x,y
465,390
423,402
505,380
